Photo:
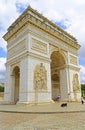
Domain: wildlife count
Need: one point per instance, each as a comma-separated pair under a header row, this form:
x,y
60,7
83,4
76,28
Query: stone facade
x,y
42,61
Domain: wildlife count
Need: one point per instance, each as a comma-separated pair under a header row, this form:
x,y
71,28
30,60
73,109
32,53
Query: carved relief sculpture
x,y
40,77
76,86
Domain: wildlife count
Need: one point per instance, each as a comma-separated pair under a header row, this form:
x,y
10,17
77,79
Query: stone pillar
x,y
8,85
28,93
64,84
68,84
74,83
12,89
23,89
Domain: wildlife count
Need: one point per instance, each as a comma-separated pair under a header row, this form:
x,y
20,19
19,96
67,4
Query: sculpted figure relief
x,y
40,77
76,86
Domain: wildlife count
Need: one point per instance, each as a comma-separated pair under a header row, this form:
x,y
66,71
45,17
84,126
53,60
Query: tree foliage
x,y
82,86
83,90
1,89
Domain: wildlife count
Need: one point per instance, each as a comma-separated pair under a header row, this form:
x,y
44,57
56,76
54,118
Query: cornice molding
x,y
40,57
31,16
16,59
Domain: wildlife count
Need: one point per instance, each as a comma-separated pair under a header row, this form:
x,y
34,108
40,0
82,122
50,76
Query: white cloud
x,y
2,68
82,74
7,15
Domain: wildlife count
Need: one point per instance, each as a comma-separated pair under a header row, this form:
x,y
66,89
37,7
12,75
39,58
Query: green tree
x,y
83,90
1,89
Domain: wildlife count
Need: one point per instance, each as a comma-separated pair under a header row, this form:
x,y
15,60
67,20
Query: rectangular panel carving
x,y
17,49
73,60
39,46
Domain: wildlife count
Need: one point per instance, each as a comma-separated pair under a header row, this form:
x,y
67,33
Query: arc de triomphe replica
x,y
42,61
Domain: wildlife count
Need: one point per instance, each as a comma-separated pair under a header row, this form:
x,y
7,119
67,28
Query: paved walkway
x,y
50,116
43,108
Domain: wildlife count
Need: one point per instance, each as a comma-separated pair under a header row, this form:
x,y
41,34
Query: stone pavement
x,y
54,107
48,116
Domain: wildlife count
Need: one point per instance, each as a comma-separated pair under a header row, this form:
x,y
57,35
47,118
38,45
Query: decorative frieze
x,y
39,46
17,49
73,60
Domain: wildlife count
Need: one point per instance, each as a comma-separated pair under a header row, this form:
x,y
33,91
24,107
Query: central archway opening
x,y
57,63
16,73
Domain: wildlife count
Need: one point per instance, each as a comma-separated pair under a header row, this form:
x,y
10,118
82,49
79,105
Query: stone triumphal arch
x,y
42,61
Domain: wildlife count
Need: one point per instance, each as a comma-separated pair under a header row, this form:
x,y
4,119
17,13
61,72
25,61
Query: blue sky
x,y
69,15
